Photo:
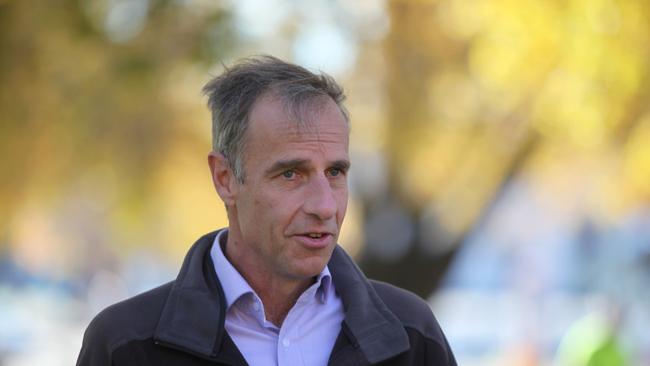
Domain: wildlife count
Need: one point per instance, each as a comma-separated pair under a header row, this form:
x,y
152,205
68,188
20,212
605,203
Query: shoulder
x,y
132,319
429,345
410,309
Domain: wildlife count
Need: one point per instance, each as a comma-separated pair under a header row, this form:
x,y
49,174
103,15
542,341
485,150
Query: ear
x,y
223,178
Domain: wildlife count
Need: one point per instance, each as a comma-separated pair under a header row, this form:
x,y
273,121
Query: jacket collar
x,y
193,316
378,332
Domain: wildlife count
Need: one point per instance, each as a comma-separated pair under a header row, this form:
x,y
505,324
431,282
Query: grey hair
x,y
232,94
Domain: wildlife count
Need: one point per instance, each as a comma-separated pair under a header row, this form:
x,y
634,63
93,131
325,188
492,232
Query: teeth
x,y
315,235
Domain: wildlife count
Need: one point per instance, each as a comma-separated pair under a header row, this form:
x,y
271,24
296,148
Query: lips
x,y
315,239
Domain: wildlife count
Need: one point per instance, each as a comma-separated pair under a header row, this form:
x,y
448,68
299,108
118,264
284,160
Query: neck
x,y
279,297
278,293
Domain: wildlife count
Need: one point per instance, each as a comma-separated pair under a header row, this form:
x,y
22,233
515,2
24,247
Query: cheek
x,y
253,209
342,202
267,209
287,207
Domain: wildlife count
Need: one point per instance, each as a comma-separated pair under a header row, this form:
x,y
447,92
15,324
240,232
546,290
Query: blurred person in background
x,y
273,288
594,340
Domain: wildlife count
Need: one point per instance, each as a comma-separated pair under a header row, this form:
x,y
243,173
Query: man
x,y
273,288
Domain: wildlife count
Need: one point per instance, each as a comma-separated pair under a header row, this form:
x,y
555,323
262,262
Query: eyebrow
x,y
283,165
341,164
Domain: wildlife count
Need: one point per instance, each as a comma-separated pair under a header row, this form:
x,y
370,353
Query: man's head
x,y
231,97
280,165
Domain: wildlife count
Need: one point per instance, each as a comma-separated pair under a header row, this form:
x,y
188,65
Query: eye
x,y
335,172
289,174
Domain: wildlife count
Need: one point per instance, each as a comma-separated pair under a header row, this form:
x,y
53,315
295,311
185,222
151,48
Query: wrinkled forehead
x,y
304,110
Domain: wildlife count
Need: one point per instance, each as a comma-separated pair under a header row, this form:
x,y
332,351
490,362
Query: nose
x,y
321,199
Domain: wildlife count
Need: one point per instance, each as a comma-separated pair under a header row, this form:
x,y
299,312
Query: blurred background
x,y
501,160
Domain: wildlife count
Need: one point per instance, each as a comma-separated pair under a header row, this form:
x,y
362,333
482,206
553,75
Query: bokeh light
x,y
500,160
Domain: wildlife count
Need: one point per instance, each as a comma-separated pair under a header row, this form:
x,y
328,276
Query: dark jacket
x,y
182,322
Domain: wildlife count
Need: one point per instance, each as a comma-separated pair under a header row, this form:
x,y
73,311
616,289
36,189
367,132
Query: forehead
x,y
273,124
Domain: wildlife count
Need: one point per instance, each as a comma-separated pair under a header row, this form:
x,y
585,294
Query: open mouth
x,y
316,239
316,235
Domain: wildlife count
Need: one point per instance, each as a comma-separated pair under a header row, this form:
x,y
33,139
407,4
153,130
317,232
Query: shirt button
x,y
286,342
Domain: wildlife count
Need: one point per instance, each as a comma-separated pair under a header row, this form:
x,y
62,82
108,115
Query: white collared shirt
x,y
307,334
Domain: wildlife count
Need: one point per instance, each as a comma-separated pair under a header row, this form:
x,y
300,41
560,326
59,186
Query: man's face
x,y
290,208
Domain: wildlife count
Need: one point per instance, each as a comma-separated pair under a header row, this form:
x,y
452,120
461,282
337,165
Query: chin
x,y
310,267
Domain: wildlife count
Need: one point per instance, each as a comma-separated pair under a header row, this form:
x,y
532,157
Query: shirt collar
x,y
235,286
324,281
